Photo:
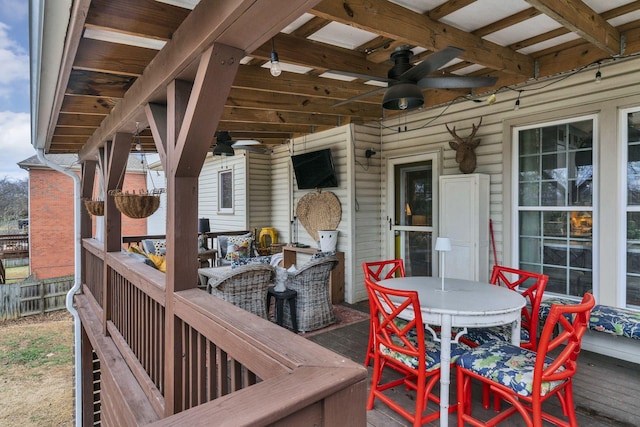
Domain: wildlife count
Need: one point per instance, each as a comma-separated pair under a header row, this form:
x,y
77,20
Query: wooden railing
x,y
94,268
226,361
14,246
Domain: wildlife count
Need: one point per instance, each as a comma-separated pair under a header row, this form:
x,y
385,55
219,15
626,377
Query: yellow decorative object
x,y
159,261
136,250
268,232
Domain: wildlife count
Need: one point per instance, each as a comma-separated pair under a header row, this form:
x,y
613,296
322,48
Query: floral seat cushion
x,y
496,333
615,321
506,364
545,306
432,348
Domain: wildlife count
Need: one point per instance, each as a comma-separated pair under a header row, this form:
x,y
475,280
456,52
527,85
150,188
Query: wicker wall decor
x,y
94,207
319,211
137,205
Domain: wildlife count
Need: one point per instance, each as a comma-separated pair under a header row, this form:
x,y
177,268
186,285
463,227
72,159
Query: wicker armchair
x,y
313,303
245,287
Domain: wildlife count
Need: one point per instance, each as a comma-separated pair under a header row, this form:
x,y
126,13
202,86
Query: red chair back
x,y
531,286
380,270
390,330
573,321
376,271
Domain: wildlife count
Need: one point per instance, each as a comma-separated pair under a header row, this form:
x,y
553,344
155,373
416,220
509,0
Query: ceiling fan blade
x,y
431,64
456,82
361,76
362,96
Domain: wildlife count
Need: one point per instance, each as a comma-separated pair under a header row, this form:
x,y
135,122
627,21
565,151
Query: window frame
x,y
626,208
517,208
222,196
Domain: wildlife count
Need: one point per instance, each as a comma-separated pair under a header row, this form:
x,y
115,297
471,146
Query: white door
x,y
412,211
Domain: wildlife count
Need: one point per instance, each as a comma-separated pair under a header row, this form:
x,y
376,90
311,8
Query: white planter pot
x,y
328,240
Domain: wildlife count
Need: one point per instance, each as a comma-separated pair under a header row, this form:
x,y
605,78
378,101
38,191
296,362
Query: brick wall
x,y
51,219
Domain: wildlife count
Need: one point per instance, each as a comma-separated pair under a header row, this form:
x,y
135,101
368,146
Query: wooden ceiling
x,y
517,41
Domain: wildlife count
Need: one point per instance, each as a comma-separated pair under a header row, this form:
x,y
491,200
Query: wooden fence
x,y
28,298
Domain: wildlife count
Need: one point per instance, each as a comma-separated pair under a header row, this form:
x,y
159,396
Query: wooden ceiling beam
x,y
399,23
224,21
270,127
112,58
251,77
447,8
579,18
312,54
142,18
266,100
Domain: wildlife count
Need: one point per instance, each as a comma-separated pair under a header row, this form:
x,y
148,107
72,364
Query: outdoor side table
x,y
280,298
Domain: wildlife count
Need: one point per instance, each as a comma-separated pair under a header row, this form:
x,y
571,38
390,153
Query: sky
x,y
15,127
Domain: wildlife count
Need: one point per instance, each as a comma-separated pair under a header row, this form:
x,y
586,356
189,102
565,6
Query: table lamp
x,y
443,244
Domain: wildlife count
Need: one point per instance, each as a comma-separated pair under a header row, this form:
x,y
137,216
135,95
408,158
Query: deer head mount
x,y
465,156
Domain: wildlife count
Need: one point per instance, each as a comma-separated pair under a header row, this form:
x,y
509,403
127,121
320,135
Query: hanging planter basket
x,y
94,207
137,205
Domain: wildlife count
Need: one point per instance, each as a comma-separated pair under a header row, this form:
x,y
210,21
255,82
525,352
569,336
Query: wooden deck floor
x,y
606,390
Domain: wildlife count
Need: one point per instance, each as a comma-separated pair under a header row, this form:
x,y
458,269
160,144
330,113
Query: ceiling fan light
x,y
403,96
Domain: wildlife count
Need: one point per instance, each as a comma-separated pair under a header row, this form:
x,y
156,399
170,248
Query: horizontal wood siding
x,y
208,192
366,213
281,188
259,193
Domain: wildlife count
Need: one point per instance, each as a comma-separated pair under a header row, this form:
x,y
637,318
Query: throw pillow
x,y
159,261
246,261
136,250
238,247
321,255
155,246
142,258
223,243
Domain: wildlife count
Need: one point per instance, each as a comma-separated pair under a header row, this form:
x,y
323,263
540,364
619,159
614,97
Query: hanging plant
x,y
139,204
94,207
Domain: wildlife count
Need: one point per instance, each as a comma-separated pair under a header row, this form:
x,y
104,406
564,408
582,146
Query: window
x,y
631,133
225,191
555,194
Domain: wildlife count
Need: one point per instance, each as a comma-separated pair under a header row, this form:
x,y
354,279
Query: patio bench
x,y
613,331
611,320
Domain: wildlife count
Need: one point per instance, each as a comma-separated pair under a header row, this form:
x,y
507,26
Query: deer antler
x,y
474,129
454,134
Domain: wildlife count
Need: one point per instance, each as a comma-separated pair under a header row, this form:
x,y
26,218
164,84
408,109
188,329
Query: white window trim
x,y
222,210
624,208
515,206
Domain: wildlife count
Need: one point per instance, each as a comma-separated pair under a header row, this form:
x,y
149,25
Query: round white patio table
x,y
464,304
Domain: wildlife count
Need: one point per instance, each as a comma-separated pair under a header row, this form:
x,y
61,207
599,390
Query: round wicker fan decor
x,y
319,211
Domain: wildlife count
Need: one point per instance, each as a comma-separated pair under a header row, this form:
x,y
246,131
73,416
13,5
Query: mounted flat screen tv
x,y
314,170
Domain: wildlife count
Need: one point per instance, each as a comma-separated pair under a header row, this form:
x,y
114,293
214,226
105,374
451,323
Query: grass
x,y
36,371
16,274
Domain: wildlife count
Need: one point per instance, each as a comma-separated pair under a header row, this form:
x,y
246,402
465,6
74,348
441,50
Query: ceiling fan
x,y
225,145
406,81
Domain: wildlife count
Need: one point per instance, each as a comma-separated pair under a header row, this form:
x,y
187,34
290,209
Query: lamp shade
x,y
443,244
403,96
203,225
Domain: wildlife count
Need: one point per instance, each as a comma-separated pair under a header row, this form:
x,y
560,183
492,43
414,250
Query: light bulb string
x,y
514,89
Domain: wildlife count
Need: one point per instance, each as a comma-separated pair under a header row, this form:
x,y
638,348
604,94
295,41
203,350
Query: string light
x,y
516,107
275,69
598,74
137,137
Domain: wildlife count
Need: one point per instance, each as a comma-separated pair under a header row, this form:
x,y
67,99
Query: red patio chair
x,y
528,378
376,271
531,286
402,347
